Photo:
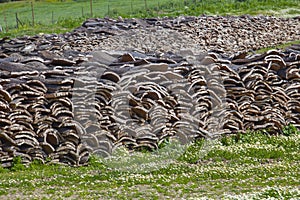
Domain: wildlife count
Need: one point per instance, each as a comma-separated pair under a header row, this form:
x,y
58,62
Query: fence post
x,y
82,12
17,20
131,7
52,17
32,14
108,8
146,7
91,5
5,21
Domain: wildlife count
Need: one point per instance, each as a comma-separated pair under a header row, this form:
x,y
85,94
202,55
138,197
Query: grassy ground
x,y
281,46
53,16
250,166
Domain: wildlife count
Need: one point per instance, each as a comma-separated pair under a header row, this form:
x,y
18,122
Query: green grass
x,y
252,165
54,16
281,46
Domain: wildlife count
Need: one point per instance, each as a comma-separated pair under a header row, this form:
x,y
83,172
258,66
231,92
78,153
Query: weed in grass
x,y
51,191
17,164
3,192
68,194
191,153
276,193
3,170
36,164
290,130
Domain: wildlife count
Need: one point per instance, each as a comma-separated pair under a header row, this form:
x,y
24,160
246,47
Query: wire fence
x,y
31,13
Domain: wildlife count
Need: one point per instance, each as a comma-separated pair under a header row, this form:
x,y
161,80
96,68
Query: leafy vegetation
x,y
246,166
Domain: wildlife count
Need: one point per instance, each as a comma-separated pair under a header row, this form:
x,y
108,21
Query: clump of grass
x,y
290,130
17,164
195,151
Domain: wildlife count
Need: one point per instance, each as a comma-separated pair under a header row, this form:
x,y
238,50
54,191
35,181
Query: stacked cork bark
x,y
65,96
